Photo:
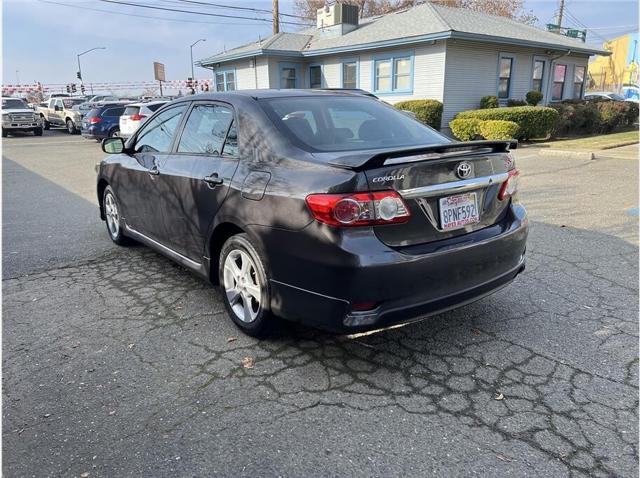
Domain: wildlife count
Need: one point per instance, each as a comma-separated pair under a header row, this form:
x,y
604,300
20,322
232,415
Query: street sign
x,y
158,71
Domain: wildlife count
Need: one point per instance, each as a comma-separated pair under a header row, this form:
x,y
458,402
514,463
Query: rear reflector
x,y
358,209
510,186
95,119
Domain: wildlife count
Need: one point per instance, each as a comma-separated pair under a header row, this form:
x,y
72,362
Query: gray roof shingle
x,y
409,26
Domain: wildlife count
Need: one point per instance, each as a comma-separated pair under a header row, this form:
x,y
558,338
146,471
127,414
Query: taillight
x,y
136,117
510,186
95,119
358,209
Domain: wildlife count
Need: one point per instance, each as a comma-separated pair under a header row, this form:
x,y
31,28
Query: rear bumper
x,y
319,283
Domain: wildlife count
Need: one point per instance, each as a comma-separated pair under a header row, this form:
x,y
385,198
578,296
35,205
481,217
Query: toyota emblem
x,y
463,169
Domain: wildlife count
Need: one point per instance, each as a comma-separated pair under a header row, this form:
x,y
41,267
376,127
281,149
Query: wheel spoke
x,y
248,312
233,296
254,291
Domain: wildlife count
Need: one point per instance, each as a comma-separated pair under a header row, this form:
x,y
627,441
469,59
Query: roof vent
x,y
337,19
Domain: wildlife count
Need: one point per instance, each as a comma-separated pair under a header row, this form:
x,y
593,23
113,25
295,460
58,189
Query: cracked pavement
x,y
120,363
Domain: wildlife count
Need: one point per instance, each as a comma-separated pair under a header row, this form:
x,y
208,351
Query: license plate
x,y
459,211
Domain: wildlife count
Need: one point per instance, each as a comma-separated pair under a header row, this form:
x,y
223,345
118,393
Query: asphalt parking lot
x,y
118,362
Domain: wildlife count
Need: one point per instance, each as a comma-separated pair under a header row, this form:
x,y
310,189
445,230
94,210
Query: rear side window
x,y
157,134
155,107
206,129
131,110
113,112
347,123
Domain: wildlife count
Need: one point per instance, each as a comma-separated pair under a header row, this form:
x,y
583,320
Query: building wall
x,y
471,72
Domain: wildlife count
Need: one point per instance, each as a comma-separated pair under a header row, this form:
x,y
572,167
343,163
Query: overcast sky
x,y
41,39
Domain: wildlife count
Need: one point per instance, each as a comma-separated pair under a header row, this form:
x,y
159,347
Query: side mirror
x,y
113,145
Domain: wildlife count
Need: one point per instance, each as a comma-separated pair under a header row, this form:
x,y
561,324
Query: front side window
x,y
559,75
350,75
538,75
315,76
205,130
346,123
157,134
578,81
504,82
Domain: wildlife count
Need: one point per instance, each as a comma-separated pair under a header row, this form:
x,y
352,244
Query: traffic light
x,y
68,88
78,75
82,88
73,88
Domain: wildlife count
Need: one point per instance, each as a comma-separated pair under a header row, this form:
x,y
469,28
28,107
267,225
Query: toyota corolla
x,y
327,208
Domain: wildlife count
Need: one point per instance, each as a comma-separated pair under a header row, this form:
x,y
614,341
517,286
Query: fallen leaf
x,y
248,362
112,412
84,475
498,396
47,415
132,345
476,332
232,339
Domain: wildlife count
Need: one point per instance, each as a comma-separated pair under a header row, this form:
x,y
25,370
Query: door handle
x,y
213,180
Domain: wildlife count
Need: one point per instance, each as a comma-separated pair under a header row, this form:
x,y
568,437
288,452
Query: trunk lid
x,y
458,180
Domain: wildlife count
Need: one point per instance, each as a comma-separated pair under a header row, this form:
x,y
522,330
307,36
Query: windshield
x,y
616,96
13,103
349,123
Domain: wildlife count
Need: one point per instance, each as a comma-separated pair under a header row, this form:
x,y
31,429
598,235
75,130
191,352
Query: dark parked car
x,y
103,121
327,208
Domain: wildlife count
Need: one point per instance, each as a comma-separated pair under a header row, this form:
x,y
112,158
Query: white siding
x,y
472,72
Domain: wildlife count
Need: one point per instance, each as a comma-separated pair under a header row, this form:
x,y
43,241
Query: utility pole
x,y
276,17
560,13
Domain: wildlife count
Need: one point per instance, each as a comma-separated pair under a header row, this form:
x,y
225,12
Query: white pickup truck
x,y
17,116
59,112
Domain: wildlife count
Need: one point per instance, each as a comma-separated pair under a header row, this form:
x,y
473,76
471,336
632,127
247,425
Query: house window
x,y
559,74
393,74
315,76
538,74
504,82
226,80
289,75
350,74
578,81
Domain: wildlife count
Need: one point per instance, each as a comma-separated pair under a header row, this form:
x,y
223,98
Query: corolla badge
x,y
382,179
463,169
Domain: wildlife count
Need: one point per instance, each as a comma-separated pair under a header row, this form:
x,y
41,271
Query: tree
x,y
513,9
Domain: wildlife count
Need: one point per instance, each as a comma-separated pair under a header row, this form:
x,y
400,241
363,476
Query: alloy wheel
x,y
111,212
241,285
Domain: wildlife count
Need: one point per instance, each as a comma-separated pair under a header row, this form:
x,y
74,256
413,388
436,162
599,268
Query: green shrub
x,y
512,103
465,129
632,113
613,114
534,121
498,129
487,102
576,117
534,97
427,111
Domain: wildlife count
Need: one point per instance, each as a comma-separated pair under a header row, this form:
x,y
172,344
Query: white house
x,y
449,54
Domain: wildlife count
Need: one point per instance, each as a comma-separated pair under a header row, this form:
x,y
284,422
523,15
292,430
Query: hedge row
x,y
427,111
532,121
471,128
587,117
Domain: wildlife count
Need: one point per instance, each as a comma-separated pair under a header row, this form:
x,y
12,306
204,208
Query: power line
x,y
234,7
575,20
220,15
144,16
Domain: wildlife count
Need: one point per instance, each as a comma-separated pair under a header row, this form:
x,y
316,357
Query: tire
x,y
114,132
4,133
71,127
37,132
115,225
45,123
241,290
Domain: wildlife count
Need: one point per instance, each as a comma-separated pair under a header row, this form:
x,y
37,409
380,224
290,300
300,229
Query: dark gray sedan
x,y
327,208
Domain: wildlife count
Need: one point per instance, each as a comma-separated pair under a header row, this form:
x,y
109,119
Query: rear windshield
x,y
131,110
93,113
349,123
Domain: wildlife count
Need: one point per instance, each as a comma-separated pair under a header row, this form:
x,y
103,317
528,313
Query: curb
x,y
558,153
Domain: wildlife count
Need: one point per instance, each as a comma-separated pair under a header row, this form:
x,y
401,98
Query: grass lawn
x,y
592,143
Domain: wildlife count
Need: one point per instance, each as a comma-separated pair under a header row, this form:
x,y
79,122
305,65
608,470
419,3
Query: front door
x,y
141,198
195,179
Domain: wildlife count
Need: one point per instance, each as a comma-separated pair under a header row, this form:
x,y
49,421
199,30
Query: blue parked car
x,y
103,121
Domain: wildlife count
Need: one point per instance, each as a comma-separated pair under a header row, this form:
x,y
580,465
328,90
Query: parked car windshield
x,y
616,96
347,123
13,103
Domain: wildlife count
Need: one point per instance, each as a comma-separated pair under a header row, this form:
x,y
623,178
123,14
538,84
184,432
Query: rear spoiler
x,y
368,160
